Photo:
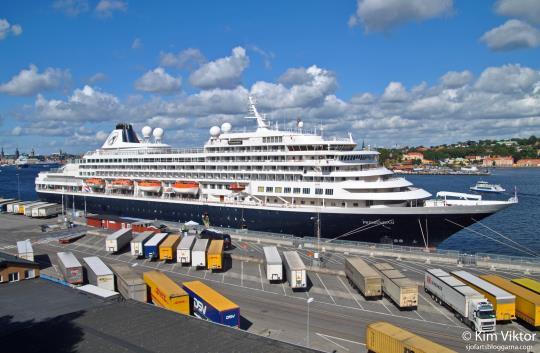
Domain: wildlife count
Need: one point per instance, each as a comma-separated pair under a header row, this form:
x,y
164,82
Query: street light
x,y
309,300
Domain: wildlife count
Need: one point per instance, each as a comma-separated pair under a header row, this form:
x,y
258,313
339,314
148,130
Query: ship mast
x,y
262,123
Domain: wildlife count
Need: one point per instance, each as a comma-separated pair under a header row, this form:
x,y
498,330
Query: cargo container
x,y
98,291
166,293
295,269
25,250
208,304
151,247
273,264
117,240
98,273
527,302
137,244
383,337
167,249
198,253
214,255
503,302
4,204
28,209
363,277
129,283
34,211
70,267
48,211
528,283
470,306
401,290
17,207
183,252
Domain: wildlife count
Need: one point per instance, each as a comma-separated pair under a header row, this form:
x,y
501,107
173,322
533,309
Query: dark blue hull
x,y
405,229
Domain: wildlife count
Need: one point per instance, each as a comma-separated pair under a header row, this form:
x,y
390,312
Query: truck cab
x,y
483,316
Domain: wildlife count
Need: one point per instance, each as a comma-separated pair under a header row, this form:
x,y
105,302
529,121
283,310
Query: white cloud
x,y
16,131
6,28
362,98
101,135
395,92
528,10
166,122
513,34
221,73
158,81
383,15
267,56
137,43
188,58
295,76
30,81
508,79
106,8
454,79
71,7
100,76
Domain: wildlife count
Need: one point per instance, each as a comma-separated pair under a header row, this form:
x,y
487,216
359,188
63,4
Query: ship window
x,y
296,190
278,189
312,202
260,189
269,189
318,191
329,192
287,190
305,190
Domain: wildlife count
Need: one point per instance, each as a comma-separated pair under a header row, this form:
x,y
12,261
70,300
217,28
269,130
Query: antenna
x,y
254,114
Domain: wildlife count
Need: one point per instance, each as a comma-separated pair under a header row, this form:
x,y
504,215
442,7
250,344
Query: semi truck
x,y
504,303
137,244
117,240
214,255
273,264
98,273
468,305
151,247
198,253
528,283
129,283
206,303
401,290
183,252
25,250
363,277
70,267
167,249
527,302
383,337
295,269
164,292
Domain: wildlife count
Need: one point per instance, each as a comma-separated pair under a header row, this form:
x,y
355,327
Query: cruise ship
x,y
292,182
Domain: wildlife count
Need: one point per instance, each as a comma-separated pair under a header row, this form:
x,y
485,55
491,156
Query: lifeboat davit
x,y
124,184
95,183
237,187
150,185
186,187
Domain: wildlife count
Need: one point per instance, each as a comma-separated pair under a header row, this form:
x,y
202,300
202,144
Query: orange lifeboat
x,y
186,187
237,187
95,183
122,184
150,185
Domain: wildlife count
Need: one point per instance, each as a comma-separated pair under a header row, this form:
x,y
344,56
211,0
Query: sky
x,y
390,72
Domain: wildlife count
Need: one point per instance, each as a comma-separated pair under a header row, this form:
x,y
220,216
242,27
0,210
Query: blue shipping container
x,y
205,310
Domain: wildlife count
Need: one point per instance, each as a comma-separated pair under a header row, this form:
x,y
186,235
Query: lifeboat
x,y
237,187
150,185
95,183
186,187
122,184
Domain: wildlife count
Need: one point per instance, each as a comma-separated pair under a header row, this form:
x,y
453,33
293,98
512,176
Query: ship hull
x,y
414,228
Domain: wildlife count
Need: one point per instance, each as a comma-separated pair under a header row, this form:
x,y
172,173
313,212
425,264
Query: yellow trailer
x,y
527,302
165,293
383,337
528,283
167,249
214,256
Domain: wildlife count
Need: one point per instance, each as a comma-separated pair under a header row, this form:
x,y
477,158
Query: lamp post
x,y
309,300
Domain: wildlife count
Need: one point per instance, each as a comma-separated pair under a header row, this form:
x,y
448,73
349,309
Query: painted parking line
x,y
332,338
351,294
283,286
326,289
242,273
260,276
420,316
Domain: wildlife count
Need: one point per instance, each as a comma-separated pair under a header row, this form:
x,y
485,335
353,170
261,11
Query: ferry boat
x,y
283,181
484,186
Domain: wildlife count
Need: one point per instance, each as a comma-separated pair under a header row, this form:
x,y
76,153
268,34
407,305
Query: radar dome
x,y
215,131
146,131
158,132
226,127
300,124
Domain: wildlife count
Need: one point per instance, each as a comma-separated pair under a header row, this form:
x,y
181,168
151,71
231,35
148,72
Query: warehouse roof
x,y
7,259
39,310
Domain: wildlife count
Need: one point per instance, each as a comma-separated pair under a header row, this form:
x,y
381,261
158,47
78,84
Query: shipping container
x,y
151,247
25,250
167,249
10,205
28,209
208,304
528,283
198,253
4,204
129,283
35,210
164,292
467,304
273,264
18,207
527,302
503,302
296,270
70,267
363,277
214,255
183,252
98,291
49,211
98,273
117,240
401,290
137,244
383,337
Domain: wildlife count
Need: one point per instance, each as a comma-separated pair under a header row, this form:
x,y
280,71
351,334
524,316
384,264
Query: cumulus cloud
x,y
186,59
16,131
221,73
106,8
6,29
513,34
100,76
158,81
383,15
395,92
454,79
508,79
30,81
71,7
528,10
137,43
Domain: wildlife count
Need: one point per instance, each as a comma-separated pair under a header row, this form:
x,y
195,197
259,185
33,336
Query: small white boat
x,y
484,186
